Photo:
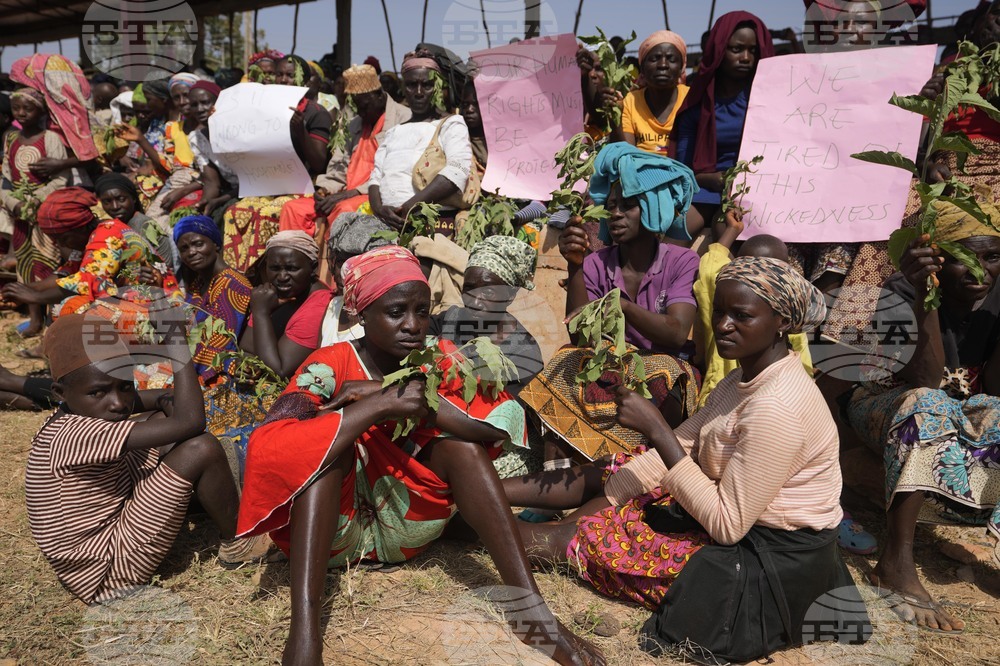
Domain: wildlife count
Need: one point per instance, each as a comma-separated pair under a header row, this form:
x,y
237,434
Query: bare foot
x,y
914,603
575,651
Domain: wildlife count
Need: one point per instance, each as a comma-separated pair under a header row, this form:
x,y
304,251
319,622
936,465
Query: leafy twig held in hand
x,y
733,193
491,215
490,375
600,325
422,220
965,80
617,76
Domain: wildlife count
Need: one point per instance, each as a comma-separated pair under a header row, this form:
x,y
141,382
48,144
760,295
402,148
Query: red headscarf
x,y
368,276
703,90
65,210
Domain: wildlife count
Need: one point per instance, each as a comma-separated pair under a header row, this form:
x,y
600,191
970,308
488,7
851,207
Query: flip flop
x,y
896,600
530,516
854,538
24,326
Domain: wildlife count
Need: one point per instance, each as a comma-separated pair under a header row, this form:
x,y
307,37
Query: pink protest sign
x,y
531,105
808,114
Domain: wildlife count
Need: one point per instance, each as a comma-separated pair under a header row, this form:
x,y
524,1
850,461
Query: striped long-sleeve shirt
x,y
103,517
763,452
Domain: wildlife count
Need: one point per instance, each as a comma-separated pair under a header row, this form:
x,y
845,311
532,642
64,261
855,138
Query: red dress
x,y
391,506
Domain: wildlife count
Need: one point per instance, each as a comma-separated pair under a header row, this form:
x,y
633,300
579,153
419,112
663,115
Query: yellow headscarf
x,y
954,224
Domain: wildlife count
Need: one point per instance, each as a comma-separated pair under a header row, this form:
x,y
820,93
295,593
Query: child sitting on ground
x,y
104,504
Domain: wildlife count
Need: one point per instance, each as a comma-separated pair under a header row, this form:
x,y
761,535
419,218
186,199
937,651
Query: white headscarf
x,y
123,100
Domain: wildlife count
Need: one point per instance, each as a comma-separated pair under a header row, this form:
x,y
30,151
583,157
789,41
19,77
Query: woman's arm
x,y
438,190
135,135
455,422
574,246
283,356
926,368
667,330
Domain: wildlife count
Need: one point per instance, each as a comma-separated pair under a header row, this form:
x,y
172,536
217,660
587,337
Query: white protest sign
x,y
250,133
808,114
531,104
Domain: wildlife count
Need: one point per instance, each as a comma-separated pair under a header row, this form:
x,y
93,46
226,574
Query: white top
x,y
330,332
403,146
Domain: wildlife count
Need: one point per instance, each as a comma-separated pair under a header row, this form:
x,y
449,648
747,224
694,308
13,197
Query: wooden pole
x,y
423,23
711,16
392,48
256,14
231,39
532,18
486,27
666,17
344,33
576,21
295,29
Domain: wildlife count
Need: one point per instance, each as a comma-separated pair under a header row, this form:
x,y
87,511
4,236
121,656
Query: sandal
x,y
531,516
854,539
903,604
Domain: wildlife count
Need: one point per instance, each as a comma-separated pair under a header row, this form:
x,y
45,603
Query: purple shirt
x,y
669,280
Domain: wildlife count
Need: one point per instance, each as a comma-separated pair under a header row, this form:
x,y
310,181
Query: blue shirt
x,y
730,116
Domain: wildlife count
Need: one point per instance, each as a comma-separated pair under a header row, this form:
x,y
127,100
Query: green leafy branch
x,y
733,193
24,191
437,94
965,80
244,368
600,325
428,365
491,215
617,75
421,220
339,134
576,162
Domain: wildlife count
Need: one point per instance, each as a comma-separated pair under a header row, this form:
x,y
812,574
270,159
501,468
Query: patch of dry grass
x,y
422,613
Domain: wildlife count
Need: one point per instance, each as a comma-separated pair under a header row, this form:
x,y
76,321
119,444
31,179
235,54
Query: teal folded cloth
x,y
663,186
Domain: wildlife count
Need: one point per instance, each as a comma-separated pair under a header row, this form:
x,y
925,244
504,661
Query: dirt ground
x,y
423,613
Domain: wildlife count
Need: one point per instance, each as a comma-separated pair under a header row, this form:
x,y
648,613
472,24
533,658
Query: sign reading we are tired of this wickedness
x,y
808,114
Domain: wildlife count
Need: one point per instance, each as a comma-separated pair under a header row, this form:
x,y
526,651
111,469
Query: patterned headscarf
x,y
955,225
183,79
789,294
510,259
30,95
198,224
296,240
371,275
267,54
354,234
65,210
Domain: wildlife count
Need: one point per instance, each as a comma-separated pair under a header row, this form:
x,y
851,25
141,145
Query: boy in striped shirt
x,y
107,494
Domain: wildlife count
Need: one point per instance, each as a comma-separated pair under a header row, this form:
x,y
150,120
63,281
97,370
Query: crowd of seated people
x,y
234,349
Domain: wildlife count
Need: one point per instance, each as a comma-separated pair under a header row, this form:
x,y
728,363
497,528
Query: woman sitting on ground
x,y
392,190
648,114
325,454
656,282
108,259
709,127
758,464
498,268
288,305
936,423
119,198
